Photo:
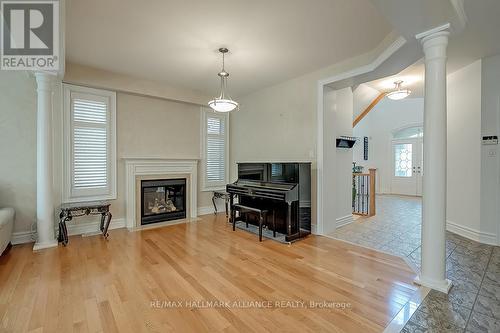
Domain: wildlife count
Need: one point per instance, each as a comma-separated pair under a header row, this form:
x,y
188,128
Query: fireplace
x,y
163,200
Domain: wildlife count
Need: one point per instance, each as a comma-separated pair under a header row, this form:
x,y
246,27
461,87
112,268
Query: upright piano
x,y
284,188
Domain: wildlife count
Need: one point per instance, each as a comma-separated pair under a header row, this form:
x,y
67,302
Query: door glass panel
x,y
403,160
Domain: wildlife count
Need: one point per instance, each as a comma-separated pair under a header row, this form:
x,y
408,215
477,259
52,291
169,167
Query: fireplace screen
x,y
163,200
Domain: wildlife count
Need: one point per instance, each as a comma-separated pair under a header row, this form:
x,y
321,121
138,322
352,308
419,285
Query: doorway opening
x,y
389,147
407,161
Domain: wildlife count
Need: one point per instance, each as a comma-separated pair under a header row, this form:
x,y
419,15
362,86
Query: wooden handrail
x,y
368,109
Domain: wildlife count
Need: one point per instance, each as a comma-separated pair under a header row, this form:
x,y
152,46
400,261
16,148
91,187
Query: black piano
x,y
284,188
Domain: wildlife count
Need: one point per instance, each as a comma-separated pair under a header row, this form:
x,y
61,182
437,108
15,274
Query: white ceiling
x,y
481,37
478,38
176,42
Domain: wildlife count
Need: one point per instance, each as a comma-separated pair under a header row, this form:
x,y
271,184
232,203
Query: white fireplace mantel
x,y
144,167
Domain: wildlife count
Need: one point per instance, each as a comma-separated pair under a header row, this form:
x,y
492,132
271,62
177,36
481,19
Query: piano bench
x,y
242,209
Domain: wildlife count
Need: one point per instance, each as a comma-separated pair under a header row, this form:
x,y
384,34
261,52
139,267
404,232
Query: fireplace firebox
x,y
163,200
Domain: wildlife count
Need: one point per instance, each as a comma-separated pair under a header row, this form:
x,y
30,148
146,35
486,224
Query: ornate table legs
x,y
215,206
104,226
63,231
225,197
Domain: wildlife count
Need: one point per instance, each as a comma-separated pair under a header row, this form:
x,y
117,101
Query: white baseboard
x,y
342,221
314,229
473,234
206,210
24,237
93,227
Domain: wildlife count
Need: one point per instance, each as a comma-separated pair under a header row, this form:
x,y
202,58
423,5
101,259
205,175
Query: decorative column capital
x,y
435,41
44,81
434,31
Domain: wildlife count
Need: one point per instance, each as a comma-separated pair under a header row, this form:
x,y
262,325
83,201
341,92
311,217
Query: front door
x,y
407,167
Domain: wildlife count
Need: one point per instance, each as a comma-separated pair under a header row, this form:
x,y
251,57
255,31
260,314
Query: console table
x,y
68,211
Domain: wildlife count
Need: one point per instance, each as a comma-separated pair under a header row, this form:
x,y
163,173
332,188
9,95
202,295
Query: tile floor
x,y
473,304
395,229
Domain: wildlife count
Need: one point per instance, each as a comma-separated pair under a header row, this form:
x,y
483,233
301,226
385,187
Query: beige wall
x,y
363,97
464,147
275,123
18,146
18,103
490,154
153,127
146,127
279,122
337,163
97,78
153,120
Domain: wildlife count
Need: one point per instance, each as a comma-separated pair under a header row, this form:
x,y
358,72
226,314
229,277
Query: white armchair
x,y
6,226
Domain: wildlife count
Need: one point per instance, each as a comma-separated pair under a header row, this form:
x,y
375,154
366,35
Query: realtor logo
x,y
30,35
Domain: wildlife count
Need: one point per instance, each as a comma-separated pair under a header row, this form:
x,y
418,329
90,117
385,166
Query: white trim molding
x,y
431,32
442,286
386,54
90,228
320,189
473,234
319,159
23,237
343,221
461,17
146,167
69,193
209,210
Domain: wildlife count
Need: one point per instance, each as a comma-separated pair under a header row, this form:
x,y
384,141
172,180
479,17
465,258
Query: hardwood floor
x,y
95,285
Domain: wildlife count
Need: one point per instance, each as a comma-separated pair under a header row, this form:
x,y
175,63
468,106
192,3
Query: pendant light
x,y
399,93
223,103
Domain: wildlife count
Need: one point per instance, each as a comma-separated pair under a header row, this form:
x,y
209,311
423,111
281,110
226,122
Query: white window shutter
x,y
215,154
89,144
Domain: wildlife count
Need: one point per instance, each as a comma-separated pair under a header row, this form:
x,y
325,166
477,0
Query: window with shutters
x,y
215,150
89,144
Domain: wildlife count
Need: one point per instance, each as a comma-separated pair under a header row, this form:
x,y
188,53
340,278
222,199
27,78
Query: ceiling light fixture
x,y
223,103
399,93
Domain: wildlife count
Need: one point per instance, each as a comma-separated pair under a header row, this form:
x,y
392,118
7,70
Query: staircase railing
x,y
363,193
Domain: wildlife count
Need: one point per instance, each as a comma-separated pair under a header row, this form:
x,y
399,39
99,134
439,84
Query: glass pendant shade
x,y
223,103
399,93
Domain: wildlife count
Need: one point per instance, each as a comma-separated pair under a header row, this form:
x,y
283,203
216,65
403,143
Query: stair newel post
x,y
372,209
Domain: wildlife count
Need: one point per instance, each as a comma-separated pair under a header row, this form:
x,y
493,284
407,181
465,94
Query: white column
x,y
44,174
433,273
